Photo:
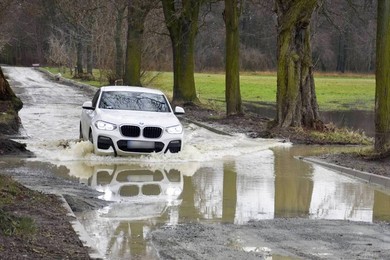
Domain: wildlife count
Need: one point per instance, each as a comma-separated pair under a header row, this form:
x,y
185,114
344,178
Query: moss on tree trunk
x,y
182,23
232,84
296,97
137,12
382,96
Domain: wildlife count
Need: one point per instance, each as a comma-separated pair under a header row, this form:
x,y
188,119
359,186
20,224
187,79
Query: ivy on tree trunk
x,y
382,96
296,98
181,18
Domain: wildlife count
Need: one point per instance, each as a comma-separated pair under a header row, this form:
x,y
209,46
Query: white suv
x,y
123,120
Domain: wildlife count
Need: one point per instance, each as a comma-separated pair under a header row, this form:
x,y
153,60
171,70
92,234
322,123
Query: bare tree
x,y
59,53
4,38
344,36
6,93
79,18
156,46
119,8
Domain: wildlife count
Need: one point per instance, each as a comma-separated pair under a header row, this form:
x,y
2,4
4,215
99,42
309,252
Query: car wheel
x,y
90,137
81,137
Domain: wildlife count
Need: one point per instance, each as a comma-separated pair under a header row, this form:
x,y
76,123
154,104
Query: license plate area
x,y
140,145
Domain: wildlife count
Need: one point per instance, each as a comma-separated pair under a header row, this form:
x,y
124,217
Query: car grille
x,y
130,131
135,131
152,132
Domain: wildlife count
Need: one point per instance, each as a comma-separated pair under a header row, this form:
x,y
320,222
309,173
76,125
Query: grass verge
x,y
11,223
334,91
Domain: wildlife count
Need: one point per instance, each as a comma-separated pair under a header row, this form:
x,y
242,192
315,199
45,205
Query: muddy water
x,y
357,120
218,179
261,185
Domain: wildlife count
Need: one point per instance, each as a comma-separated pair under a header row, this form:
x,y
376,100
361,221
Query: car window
x,y
138,101
95,98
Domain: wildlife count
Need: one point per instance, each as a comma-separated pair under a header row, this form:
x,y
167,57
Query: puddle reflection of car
x,y
140,193
122,120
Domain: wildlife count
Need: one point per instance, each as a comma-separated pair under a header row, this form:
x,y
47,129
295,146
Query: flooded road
x,y
356,120
215,179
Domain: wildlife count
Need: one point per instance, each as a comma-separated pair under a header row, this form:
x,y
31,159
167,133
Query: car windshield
x,y
138,101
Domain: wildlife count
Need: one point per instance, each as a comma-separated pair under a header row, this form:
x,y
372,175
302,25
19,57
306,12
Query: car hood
x,y
123,117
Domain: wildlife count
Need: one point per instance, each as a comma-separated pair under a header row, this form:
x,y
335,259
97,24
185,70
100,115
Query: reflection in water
x,y
293,186
142,197
208,191
119,182
381,206
263,185
229,191
255,187
338,198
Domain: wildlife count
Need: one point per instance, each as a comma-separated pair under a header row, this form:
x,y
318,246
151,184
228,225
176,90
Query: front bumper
x,y
110,145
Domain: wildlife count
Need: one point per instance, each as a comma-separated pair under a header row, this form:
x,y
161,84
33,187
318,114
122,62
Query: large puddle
x,y
216,178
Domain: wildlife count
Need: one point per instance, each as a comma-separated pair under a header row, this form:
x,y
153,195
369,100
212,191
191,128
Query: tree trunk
x,y
382,96
79,62
296,99
118,43
232,91
183,27
89,59
342,53
137,13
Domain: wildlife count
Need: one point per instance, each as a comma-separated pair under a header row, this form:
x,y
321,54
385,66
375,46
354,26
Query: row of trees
x,y
343,34
93,31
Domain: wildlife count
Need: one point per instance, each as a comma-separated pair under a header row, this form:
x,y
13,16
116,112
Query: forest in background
x,y
39,31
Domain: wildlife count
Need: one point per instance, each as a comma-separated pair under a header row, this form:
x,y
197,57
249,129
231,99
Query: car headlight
x,y
177,129
101,125
172,191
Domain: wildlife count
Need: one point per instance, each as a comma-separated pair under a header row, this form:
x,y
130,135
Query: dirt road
x,y
293,238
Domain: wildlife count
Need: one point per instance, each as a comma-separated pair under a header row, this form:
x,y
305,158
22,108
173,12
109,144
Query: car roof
x,y
131,88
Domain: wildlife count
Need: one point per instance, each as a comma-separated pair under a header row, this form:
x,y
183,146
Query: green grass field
x,y
352,92
334,92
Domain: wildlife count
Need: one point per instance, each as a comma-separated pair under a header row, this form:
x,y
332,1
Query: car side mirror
x,y
179,110
88,105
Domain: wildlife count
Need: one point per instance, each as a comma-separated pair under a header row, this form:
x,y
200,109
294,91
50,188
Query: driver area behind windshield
x,y
137,101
